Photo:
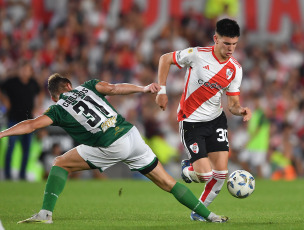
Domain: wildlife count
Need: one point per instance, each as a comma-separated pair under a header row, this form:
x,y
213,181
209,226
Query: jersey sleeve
x,y
91,84
234,87
53,113
184,58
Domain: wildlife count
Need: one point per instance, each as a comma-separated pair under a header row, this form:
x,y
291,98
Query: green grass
x,y
142,205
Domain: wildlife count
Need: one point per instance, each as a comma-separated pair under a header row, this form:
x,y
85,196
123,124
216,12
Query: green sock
x,y
187,198
54,186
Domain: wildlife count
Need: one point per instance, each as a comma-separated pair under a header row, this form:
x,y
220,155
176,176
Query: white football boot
x,y
217,219
42,217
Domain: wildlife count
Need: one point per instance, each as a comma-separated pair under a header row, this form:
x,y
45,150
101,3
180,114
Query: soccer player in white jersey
x,y
106,138
211,71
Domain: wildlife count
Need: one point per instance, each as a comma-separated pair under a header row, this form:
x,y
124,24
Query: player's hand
x,y
152,88
162,101
246,113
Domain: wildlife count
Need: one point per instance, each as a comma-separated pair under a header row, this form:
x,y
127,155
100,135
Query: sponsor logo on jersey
x,y
229,73
206,67
118,130
194,147
214,85
108,123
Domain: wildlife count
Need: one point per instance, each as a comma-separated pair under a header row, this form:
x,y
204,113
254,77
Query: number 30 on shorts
x,y
222,135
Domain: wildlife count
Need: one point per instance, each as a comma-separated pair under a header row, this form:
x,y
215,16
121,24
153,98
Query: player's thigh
x,y
140,157
71,161
161,178
193,136
218,139
104,157
219,160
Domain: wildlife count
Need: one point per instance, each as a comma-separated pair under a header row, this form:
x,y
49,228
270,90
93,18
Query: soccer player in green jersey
x,y
86,115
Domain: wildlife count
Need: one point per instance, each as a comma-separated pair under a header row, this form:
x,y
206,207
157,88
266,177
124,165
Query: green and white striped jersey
x,y
87,116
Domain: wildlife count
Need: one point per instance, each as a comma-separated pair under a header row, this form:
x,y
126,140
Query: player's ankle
x,y
44,212
211,215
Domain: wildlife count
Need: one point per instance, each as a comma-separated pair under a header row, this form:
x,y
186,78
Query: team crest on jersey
x,y
229,73
190,51
194,147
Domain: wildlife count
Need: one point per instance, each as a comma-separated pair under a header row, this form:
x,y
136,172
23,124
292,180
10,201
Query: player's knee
x,y
59,161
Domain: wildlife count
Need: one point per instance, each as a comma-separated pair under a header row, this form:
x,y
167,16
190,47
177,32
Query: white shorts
x,y
254,158
129,149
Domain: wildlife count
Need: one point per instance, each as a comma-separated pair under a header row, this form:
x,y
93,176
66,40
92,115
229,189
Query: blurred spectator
x,y
22,97
223,8
253,157
47,158
281,155
154,136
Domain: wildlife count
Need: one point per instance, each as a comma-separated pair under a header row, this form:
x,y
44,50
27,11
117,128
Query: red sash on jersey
x,y
204,93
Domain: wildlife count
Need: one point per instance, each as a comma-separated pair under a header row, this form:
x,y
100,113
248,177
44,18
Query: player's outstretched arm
x,y
27,126
165,62
125,88
236,109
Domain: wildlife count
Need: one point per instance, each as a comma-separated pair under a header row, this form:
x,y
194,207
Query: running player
x,y
211,71
105,137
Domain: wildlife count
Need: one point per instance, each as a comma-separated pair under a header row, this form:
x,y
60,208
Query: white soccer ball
x,y
241,184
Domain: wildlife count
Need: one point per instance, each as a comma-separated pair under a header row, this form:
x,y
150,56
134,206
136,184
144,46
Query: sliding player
x,y
105,137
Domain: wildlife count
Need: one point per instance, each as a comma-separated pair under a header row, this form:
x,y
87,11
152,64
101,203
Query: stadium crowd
x,y
79,41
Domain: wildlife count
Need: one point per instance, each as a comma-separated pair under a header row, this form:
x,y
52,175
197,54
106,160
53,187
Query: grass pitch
x,y
127,204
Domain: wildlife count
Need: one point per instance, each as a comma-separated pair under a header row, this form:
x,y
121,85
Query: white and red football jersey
x,y
205,81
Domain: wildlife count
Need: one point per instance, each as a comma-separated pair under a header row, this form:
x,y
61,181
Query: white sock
x,y
213,186
204,177
211,215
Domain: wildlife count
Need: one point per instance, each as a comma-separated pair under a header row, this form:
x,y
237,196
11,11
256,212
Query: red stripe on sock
x,y
203,178
208,189
219,175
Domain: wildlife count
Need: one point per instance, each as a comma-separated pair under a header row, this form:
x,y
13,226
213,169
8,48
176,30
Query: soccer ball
x,y
241,184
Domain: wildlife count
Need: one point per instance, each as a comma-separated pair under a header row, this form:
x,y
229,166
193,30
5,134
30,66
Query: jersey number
x,y
222,135
90,114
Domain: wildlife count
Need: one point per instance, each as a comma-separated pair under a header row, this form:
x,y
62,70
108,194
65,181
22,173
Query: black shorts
x,y
201,138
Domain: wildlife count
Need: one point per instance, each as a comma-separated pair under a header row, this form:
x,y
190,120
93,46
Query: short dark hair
x,y
57,84
228,28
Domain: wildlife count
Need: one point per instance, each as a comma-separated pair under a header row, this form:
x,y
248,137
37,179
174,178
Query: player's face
x,y
225,46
